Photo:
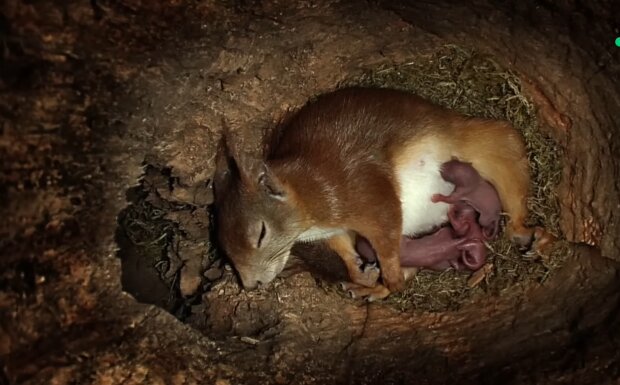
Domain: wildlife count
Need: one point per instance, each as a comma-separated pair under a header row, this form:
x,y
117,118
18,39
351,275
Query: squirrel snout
x,y
256,274
251,284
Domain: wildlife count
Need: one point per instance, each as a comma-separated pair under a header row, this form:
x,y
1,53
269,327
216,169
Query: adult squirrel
x,y
360,161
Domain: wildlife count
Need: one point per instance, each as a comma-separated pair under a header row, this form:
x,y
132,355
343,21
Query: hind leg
x,y
511,179
496,150
514,201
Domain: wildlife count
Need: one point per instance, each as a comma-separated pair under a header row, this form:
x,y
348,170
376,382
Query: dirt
x,y
96,95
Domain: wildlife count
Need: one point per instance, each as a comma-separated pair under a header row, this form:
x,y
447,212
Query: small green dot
x,y
618,41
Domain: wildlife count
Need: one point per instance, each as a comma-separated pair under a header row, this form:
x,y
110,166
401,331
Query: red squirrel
x,y
360,161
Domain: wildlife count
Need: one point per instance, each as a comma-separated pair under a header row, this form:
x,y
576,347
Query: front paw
x,y
368,275
369,294
394,283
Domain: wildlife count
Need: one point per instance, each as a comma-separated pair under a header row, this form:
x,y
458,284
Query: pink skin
x,y
459,245
471,188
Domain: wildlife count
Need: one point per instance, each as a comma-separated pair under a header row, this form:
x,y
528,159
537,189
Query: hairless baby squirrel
x,y
469,187
473,217
360,161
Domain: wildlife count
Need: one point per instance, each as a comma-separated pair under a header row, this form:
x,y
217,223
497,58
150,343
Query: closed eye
x,y
263,231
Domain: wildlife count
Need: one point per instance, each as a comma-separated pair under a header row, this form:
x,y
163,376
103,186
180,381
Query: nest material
x,y
474,84
470,83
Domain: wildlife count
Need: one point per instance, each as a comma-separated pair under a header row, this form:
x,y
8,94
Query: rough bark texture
x,y
92,90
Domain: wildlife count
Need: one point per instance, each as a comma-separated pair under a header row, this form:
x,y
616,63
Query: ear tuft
x,y
231,162
225,164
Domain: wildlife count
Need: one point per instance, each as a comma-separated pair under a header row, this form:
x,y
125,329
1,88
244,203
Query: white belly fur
x,y
418,179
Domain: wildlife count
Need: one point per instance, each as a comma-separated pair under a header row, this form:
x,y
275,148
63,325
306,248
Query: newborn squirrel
x,y
360,161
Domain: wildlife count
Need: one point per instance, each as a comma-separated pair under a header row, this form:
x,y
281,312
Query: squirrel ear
x,y
230,163
271,184
250,170
225,165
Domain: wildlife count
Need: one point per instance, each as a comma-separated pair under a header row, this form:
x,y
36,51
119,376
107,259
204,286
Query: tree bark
x,y
92,90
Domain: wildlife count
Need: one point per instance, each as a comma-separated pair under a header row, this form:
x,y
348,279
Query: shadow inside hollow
x,y
318,259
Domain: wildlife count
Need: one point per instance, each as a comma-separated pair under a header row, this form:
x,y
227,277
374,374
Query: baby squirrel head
x,y
257,221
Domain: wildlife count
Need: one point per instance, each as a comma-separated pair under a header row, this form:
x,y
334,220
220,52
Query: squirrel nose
x,y
250,284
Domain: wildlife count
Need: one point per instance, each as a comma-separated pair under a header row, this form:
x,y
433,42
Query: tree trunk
x,y
92,91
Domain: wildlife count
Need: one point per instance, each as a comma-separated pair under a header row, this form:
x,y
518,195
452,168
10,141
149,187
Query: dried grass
x,y
476,85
